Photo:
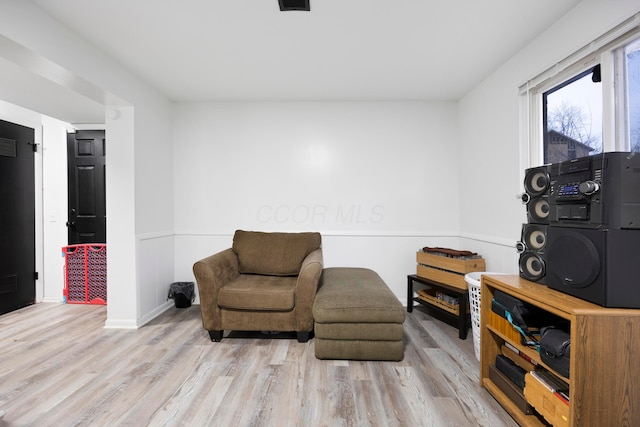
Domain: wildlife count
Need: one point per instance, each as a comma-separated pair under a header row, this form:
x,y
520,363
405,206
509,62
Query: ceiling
x,y
352,50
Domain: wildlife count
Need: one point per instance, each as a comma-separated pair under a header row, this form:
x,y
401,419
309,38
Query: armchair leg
x,y
216,336
302,336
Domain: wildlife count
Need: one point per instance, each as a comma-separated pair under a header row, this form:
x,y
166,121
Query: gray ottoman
x,y
357,317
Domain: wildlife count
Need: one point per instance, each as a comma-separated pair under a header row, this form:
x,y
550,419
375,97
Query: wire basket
x,y
473,282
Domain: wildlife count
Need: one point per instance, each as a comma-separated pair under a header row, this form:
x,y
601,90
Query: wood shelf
x,y
520,417
459,317
603,370
434,300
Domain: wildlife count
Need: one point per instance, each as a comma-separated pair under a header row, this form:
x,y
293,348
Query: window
x,y
632,71
588,103
572,117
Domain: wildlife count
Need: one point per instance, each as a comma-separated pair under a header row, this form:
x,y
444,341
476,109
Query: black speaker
x,y
538,210
532,247
294,5
597,265
536,181
536,195
599,191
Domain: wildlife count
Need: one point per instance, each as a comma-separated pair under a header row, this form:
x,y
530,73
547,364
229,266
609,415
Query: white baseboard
x,y
155,313
137,323
120,324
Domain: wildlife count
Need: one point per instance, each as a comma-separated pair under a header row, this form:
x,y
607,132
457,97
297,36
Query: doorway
x,y
17,217
86,170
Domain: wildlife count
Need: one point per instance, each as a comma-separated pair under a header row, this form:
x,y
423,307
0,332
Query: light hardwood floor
x,y
60,367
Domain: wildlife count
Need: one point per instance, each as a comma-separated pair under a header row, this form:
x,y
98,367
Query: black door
x,y
17,217
87,221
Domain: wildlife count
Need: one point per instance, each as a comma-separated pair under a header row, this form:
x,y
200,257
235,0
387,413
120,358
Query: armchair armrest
x,y
212,273
306,288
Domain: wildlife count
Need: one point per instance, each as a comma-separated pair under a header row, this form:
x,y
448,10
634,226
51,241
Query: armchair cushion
x,y
256,292
273,254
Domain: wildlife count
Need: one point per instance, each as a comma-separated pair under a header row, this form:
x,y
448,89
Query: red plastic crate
x,y
85,273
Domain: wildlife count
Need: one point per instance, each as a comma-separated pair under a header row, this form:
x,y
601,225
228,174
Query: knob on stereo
x,y
588,187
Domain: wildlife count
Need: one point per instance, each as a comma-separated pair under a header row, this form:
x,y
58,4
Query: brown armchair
x,y
264,282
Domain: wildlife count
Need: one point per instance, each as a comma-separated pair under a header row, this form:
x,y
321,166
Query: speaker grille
x,y
536,181
573,255
532,266
532,262
538,210
534,238
536,186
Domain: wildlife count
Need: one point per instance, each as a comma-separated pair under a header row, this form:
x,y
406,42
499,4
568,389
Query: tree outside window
x,y
573,118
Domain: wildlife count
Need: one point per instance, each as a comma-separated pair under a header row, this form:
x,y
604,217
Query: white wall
x,y
378,180
54,196
492,155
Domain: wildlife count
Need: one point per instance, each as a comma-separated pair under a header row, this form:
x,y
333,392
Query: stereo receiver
x,y
599,191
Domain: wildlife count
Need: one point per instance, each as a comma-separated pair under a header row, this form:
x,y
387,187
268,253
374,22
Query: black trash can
x,y
182,293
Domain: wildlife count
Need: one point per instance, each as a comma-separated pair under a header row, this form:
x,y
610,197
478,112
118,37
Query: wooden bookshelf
x,y
604,369
458,317
438,273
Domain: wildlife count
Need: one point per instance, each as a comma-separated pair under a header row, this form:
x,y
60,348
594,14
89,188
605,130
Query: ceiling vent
x,y
294,5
